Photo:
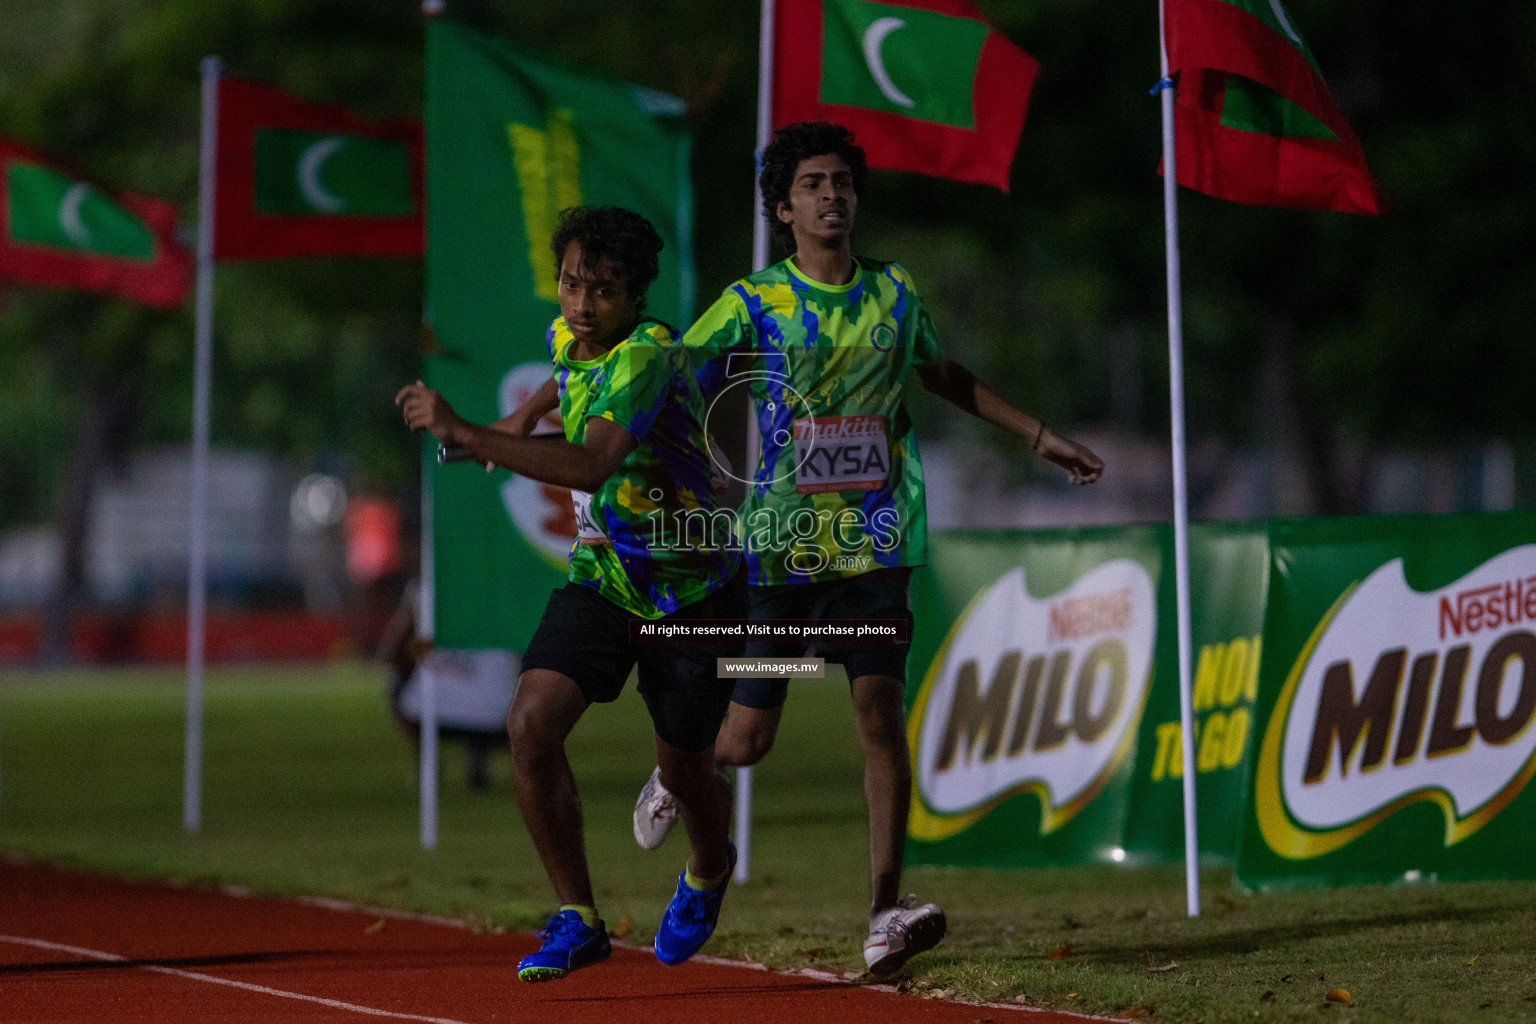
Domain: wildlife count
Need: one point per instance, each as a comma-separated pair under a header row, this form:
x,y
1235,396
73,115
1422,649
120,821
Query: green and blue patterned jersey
x,y
644,534
838,486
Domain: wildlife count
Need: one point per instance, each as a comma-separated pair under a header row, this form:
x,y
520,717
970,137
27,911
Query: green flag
x,y
512,139
61,230
51,208
364,175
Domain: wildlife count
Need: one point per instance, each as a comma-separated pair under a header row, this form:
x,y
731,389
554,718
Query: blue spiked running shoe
x,y
568,944
691,916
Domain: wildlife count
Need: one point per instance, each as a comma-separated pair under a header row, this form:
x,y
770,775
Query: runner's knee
x,y
541,716
745,739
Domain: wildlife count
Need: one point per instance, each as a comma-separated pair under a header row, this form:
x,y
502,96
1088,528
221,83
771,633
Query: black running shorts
x,y
585,637
878,594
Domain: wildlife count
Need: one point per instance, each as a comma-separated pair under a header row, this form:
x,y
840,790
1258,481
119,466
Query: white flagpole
x,y
426,622
764,131
426,626
197,552
1180,480
759,262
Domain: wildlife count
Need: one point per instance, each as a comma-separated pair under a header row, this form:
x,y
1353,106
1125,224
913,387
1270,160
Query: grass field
x,y
309,789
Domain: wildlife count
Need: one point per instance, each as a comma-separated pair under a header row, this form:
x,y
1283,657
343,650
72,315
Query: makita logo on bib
x,y
1406,696
1037,695
836,428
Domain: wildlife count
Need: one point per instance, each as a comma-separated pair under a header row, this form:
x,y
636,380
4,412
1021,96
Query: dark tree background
x,y
1320,334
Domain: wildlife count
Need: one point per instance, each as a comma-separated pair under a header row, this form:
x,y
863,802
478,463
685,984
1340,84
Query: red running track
x,y
79,948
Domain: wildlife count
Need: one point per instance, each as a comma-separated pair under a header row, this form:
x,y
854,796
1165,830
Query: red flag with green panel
x,y
925,85
312,179
60,229
1254,121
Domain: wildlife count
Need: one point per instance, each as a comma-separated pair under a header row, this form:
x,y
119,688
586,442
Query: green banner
x,y
1396,702
1044,696
512,139
1032,666
1228,566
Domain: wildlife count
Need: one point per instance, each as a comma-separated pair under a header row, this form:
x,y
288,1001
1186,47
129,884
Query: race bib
x,y
841,453
587,529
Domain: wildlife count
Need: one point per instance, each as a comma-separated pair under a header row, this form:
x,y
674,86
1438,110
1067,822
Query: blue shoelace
x,y
693,907
559,928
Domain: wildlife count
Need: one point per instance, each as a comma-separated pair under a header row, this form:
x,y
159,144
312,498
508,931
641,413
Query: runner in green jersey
x,y
635,457
828,344
631,546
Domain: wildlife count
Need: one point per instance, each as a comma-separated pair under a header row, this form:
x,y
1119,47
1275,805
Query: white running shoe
x,y
901,932
655,812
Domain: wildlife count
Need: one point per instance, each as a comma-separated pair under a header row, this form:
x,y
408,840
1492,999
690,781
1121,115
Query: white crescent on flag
x,y
1285,22
874,38
310,188
69,215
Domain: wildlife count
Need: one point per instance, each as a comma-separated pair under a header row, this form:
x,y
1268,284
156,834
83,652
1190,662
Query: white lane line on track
x,y
345,907
336,1004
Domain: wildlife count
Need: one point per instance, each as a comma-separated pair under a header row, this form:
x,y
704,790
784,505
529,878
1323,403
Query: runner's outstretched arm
x,y
526,416
581,466
959,386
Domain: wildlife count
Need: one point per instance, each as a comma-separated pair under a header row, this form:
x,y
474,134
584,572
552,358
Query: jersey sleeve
x,y
551,337
926,352
724,329
635,387
922,338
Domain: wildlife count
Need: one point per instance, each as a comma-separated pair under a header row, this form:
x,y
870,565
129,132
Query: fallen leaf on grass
x,y
1071,995
1021,999
1338,995
621,929
1166,967
1061,952
1472,961
376,927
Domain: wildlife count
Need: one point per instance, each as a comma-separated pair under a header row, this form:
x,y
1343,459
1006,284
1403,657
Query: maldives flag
x,y
925,85
310,179
1254,121
60,229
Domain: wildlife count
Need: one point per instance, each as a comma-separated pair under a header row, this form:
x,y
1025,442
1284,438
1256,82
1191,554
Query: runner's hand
x,y
1082,466
425,409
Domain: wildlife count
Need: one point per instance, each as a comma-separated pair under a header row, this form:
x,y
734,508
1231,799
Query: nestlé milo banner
x,y
1032,664
1228,566
1397,697
1043,687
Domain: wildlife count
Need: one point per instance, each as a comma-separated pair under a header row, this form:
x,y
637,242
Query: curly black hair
x,y
801,141
622,237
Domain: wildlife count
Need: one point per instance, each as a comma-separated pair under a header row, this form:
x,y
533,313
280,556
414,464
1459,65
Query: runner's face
x,y
822,203
597,306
